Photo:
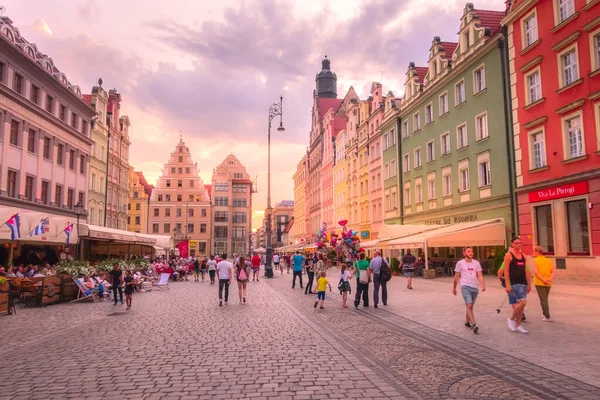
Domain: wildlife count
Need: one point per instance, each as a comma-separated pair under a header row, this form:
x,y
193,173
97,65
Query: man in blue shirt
x,y
298,260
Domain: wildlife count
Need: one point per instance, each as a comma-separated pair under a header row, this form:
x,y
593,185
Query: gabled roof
x,y
449,48
421,72
87,98
325,104
490,19
209,190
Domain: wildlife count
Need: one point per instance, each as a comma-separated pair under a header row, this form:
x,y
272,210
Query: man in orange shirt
x,y
543,275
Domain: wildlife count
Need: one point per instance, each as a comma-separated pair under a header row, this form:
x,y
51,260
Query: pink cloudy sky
x,y
211,69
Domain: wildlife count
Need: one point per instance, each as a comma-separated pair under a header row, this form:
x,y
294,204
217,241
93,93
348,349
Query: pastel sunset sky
x,y
211,69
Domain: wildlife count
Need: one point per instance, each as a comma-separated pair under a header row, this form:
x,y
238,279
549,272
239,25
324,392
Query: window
x,y
29,188
431,193
62,114
239,217
392,138
167,228
538,149
596,51
445,143
82,164
479,79
202,228
156,212
221,201
2,65
566,8
416,122
485,174
404,130
428,114
481,128
168,183
544,227
59,154
31,141
138,206
406,163
203,212
530,29
12,184
575,147
418,194
47,148
74,120
45,187
179,183
461,136
49,104
34,96
178,212
190,227
137,219
447,181
568,62
417,157
578,228
167,212
239,202
180,159
221,216
430,151
221,232
179,197
459,93
464,179
407,199
70,194
238,232
443,103
534,87
160,197
172,170
393,168
14,133
179,170
72,159
18,83
155,227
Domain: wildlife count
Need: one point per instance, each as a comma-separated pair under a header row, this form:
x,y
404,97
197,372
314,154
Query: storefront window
x,y
578,228
543,227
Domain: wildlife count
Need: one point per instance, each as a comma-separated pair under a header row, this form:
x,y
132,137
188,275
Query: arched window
x,y
30,52
9,35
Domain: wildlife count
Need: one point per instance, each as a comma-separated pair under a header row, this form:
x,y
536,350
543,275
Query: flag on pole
x,y
184,248
14,224
39,228
68,231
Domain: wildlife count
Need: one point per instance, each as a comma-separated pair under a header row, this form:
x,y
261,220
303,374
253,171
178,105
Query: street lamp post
x,y
275,110
79,210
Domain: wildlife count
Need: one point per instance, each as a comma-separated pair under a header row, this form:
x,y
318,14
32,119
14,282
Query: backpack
x,y
386,272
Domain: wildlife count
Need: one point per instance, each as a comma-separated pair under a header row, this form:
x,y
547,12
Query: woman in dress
x,y
242,272
344,284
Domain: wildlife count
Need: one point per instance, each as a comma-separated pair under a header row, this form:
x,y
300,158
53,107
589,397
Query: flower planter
x,y
68,288
429,273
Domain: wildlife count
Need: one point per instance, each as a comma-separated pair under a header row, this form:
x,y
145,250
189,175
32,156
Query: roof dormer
x,y
475,27
415,78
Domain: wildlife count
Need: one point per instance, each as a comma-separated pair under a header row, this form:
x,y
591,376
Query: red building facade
x,y
554,66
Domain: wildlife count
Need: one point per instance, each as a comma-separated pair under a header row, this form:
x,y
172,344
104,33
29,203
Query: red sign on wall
x,y
574,189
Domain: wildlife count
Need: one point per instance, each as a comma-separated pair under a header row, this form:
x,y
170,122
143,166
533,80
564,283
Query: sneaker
x,y
475,329
316,304
545,319
244,299
122,302
520,329
220,303
115,304
524,318
512,324
355,304
375,306
322,308
468,325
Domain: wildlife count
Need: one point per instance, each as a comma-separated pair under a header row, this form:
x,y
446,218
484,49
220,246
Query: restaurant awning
x,y
53,230
104,233
369,244
392,232
479,233
162,241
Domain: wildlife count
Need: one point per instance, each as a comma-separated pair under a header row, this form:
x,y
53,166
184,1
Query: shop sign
x,y
192,244
365,235
573,189
457,219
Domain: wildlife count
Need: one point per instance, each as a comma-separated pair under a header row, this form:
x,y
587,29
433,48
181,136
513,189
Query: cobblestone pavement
x,y
179,343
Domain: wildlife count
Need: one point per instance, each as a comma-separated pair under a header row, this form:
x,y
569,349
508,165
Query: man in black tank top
x,y
518,281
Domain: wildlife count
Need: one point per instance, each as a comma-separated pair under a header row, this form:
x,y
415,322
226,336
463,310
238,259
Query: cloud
x,y
87,10
42,26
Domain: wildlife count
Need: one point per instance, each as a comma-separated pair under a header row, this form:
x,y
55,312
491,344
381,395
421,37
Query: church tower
x,y
326,81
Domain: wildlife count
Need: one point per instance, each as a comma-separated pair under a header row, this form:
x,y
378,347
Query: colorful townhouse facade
x,y
453,146
374,154
391,176
554,59
352,108
364,221
138,206
299,228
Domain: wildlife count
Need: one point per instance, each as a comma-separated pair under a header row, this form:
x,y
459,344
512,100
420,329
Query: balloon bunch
x,y
346,244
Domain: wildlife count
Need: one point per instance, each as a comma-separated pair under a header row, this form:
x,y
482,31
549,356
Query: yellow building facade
x,y
300,222
364,227
340,179
138,202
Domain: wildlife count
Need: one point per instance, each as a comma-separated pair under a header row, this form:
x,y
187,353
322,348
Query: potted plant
x,y
395,266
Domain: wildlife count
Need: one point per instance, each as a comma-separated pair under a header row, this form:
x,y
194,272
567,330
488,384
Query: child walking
x,y
129,287
344,284
322,284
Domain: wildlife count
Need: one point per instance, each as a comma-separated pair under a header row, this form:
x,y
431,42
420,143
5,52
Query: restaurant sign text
x,y
457,219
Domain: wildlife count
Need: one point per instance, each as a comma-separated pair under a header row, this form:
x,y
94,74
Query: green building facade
x,y
391,175
455,165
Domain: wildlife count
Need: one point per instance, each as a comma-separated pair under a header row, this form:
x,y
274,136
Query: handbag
x,y
364,276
